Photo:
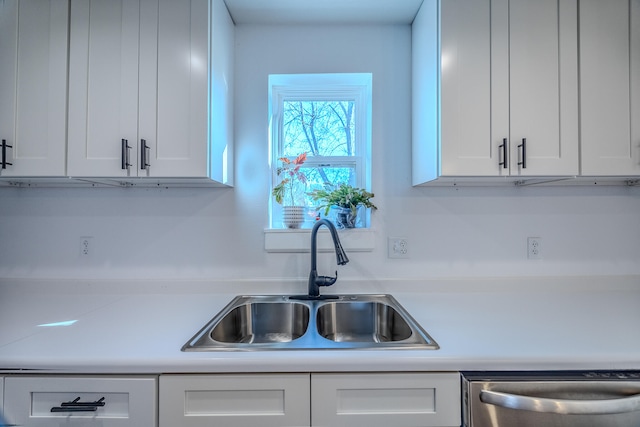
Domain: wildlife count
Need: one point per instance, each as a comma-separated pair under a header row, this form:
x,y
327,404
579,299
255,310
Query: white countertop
x,y
489,324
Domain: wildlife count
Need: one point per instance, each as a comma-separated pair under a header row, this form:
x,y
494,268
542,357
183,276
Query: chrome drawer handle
x,y
561,406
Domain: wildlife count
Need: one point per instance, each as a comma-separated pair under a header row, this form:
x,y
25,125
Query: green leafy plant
x,y
287,189
344,196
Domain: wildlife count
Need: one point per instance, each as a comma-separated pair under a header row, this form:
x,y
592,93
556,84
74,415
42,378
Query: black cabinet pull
x,y
504,163
77,406
4,154
125,154
144,148
524,153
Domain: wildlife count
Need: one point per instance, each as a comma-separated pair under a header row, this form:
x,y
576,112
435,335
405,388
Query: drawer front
x,y
261,400
86,401
385,399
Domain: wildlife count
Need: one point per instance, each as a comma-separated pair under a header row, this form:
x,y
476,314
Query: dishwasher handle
x,y
561,406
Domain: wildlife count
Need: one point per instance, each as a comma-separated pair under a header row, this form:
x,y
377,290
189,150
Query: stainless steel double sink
x,y
281,322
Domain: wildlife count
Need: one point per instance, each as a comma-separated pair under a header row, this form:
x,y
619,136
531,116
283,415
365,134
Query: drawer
x,y
87,401
385,399
234,400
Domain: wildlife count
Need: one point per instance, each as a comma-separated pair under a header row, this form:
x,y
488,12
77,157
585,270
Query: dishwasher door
x,y
576,399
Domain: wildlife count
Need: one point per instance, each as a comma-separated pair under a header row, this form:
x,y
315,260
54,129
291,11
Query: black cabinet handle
x,y
125,154
144,148
504,163
77,406
4,154
524,153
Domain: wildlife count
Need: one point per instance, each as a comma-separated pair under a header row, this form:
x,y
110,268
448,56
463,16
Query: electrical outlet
x,y
86,246
534,247
398,247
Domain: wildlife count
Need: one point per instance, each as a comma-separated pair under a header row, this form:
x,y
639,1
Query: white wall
x,y
218,233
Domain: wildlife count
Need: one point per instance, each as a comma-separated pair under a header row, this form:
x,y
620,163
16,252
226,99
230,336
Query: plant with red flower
x,y
288,188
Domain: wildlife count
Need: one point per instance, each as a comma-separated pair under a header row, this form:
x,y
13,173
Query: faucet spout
x,y
316,281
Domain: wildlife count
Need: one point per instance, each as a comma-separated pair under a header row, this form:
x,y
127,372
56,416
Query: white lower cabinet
x,y
33,401
358,399
265,400
385,399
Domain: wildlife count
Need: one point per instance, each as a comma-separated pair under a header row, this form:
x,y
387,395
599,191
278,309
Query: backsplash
x,y
215,234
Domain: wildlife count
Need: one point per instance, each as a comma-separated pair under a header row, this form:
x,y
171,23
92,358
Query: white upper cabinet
x,y
103,88
466,121
543,87
610,87
33,86
140,89
180,104
499,95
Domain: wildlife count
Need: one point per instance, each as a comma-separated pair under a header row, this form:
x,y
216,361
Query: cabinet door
x,y
103,87
127,401
508,73
385,400
543,67
259,400
474,86
181,148
33,86
610,87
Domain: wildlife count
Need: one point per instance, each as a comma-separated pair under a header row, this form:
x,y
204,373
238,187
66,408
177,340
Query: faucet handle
x,y
326,280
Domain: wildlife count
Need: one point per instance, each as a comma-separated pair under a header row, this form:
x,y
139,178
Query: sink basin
x,y
357,321
281,322
262,322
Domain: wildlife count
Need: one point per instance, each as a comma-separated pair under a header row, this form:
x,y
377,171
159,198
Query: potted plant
x,y
290,189
346,200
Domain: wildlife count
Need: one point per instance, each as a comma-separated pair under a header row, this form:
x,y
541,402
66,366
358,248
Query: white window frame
x,y
355,87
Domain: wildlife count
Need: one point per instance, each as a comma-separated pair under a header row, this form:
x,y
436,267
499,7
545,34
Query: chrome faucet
x,y
316,281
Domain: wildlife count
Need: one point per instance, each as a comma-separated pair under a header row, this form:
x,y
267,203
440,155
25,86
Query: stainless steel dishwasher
x,y
558,399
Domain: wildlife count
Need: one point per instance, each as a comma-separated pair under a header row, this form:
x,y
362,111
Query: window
x,y
328,117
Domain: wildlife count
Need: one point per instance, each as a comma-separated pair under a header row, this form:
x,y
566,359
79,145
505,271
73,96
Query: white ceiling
x,y
323,11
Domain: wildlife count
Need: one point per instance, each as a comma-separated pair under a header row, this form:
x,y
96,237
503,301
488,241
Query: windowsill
x,y
299,240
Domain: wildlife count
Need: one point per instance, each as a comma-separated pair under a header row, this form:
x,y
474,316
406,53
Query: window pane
x,y
319,128
333,176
